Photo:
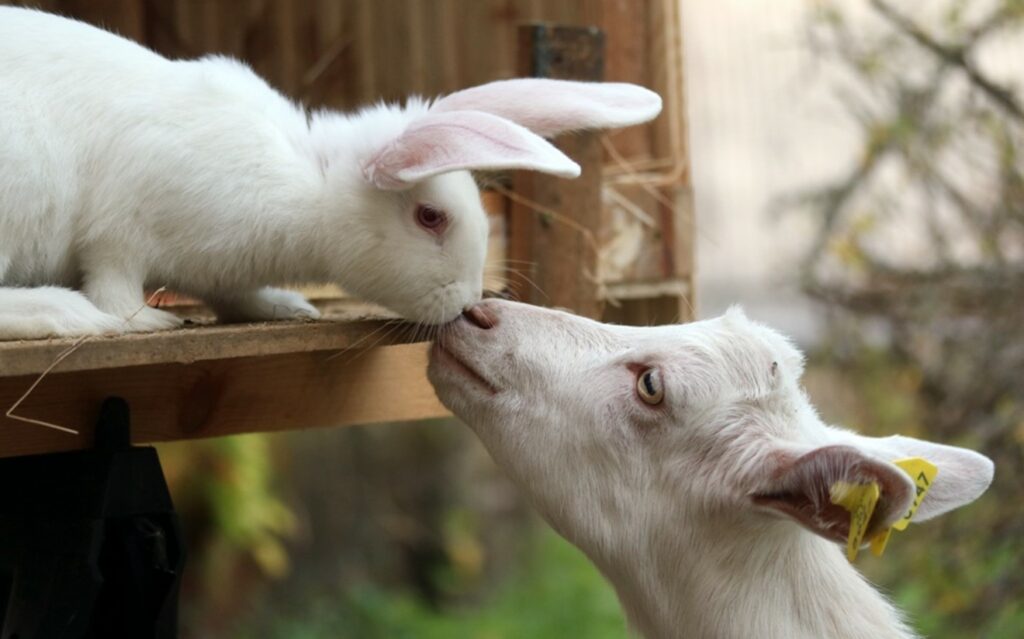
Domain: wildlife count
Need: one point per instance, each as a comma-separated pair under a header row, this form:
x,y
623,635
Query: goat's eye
x,y
649,387
431,219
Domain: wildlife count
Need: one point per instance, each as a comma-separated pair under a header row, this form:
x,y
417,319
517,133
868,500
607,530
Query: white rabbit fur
x,y
121,170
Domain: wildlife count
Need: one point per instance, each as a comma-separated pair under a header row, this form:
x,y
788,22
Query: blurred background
x,y
856,178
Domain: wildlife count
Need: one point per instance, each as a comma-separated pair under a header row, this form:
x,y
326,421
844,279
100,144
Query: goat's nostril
x,y
481,317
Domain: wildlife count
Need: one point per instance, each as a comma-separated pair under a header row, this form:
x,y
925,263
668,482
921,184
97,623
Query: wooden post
x,y
124,17
556,247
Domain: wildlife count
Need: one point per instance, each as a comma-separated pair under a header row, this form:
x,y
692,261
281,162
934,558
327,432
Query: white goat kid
x,y
689,466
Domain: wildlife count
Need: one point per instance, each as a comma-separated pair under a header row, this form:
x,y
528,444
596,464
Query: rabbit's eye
x,y
649,387
431,219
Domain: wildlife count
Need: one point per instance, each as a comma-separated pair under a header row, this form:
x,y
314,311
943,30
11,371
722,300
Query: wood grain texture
x,y
346,324
225,397
628,43
560,250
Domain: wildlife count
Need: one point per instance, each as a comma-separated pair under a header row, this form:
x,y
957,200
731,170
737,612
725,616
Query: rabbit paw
x,y
265,305
151,319
52,312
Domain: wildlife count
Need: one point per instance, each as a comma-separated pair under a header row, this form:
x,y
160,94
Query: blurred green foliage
x,y
235,521
555,593
246,511
919,263
954,576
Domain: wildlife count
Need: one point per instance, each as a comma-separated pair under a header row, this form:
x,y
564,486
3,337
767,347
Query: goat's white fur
x,y
663,499
121,169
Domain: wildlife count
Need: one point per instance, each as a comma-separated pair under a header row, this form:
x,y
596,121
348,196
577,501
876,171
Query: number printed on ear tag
x,y
923,473
859,500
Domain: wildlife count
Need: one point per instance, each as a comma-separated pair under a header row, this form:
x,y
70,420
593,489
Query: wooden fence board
x,y
224,397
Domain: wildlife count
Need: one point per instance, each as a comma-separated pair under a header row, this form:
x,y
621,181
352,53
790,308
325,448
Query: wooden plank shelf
x,y
346,323
355,366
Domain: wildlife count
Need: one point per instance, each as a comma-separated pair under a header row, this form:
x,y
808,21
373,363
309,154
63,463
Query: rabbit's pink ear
x,y
550,107
457,140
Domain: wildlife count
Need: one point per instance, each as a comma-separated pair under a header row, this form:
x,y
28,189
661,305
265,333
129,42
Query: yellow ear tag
x,y
879,542
923,473
859,500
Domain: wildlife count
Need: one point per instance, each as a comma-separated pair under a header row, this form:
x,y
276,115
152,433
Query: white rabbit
x,y
120,169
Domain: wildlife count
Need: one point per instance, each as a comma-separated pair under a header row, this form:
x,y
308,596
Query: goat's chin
x,y
463,391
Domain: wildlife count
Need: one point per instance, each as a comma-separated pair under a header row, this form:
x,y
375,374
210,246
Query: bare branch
x,y
955,56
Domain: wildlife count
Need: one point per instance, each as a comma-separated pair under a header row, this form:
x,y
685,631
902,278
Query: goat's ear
x,y
441,142
799,487
549,107
962,477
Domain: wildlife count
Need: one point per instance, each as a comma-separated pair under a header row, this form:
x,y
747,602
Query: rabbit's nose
x,y
480,316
